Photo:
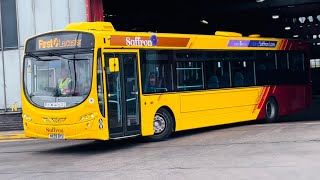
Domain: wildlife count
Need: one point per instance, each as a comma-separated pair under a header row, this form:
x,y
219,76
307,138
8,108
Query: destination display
x,y
61,40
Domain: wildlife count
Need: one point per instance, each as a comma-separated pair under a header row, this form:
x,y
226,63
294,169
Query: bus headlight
x,y
87,117
26,117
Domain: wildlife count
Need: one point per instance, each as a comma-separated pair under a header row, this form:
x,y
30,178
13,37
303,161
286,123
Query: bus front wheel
x,y
162,125
272,110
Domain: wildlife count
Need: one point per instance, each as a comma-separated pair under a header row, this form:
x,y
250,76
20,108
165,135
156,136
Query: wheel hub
x,y
269,110
159,124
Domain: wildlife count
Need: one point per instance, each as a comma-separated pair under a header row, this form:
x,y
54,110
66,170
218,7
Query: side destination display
x,y
252,43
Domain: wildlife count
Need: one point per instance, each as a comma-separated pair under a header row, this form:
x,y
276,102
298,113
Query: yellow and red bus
x,y
126,84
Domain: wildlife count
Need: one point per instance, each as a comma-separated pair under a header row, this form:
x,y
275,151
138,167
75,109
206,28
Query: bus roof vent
x,y
228,34
255,35
96,26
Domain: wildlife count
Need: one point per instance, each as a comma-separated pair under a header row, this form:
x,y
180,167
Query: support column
x,y
94,10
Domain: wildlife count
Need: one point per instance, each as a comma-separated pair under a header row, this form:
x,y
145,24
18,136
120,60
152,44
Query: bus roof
x,y
220,40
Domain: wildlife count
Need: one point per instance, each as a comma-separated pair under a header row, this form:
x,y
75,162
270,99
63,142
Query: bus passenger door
x,y
122,94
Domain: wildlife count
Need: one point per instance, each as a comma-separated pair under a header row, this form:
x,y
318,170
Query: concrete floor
x,y
288,149
285,150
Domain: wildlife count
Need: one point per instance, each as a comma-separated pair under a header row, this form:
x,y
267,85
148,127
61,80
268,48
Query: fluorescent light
x,y
275,16
296,35
260,1
287,28
204,21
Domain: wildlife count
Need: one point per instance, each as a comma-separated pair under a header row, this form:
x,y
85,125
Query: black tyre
x,y
162,125
272,110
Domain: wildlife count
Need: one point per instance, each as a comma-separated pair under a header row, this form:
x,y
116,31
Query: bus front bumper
x,y
86,130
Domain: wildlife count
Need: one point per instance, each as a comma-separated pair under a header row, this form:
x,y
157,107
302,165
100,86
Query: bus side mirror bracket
x,y
114,64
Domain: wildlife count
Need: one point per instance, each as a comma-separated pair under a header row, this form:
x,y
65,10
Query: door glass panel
x,y
131,90
114,98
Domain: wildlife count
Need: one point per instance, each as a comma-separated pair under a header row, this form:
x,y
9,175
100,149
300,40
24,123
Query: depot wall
x,y
21,19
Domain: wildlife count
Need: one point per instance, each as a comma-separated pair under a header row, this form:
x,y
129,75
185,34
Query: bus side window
x,y
297,67
282,68
225,75
156,71
189,75
237,74
242,68
213,74
265,68
100,87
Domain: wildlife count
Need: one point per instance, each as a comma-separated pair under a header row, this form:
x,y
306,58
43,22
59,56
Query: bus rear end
x,y
54,107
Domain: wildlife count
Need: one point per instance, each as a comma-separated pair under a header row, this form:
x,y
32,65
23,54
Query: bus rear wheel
x,y
162,125
272,110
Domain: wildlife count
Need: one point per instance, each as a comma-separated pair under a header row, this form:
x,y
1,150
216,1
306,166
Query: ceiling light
x,y
109,15
287,28
260,1
302,19
296,35
310,18
275,17
314,36
204,21
318,17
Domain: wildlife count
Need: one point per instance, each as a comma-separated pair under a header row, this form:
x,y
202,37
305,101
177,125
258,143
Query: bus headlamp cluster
x,y
26,117
87,117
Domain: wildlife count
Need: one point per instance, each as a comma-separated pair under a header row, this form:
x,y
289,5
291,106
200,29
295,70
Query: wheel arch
x,y
172,115
273,97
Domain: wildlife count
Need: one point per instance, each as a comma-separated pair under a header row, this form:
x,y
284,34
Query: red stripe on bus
x,y
274,89
264,97
286,44
259,99
290,46
281,45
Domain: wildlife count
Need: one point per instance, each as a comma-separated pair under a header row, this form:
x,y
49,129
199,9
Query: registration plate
x,y
55,104
56,136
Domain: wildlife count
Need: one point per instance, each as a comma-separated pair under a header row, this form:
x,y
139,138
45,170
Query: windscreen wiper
x,y
58,55
35,56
